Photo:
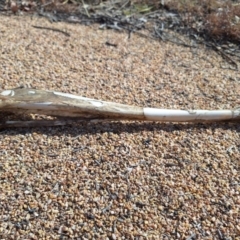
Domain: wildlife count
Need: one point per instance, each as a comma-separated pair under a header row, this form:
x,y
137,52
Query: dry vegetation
x,y
215,20
220,18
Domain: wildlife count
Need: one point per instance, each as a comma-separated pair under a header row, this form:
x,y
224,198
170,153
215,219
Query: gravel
x,y
118,180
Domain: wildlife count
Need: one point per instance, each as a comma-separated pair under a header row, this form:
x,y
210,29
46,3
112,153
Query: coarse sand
x,y
118,180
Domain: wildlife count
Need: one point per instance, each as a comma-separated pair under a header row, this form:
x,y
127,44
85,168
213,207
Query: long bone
x,y
58,104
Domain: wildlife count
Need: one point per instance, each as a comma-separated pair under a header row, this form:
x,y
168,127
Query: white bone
x,y
7,93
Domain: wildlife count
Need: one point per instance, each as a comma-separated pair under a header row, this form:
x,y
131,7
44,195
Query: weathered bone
x,y
52,103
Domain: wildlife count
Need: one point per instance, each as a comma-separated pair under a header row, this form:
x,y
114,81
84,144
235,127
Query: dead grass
x,y
225,23
215,20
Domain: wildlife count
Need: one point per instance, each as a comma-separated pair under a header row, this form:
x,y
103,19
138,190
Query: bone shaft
x,y
170,115
59,104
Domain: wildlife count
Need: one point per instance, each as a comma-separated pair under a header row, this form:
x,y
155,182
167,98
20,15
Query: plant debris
x,y
213,23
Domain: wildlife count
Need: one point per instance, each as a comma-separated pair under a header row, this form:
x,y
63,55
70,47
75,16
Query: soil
x,y
118,180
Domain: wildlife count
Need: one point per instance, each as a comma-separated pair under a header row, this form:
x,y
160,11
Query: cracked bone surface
x,y
53,103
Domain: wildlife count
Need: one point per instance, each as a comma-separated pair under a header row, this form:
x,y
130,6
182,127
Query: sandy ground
x,y
118,180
